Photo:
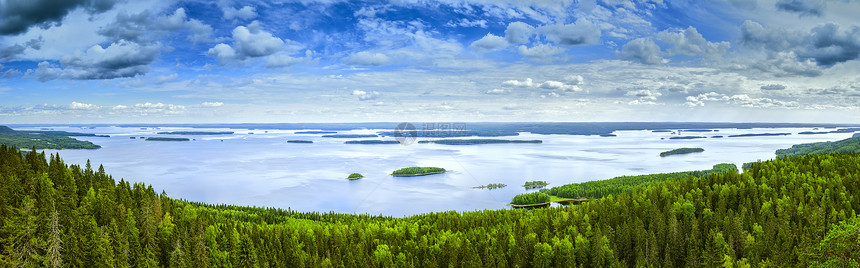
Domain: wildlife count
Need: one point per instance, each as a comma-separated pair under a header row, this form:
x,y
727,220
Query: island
x,y
531,200
417,171
55,140
350,136
354,176
195,132
846,146
535,184
698,130
371,142
759,135
686,137
316,132
813,132
299,141
681,151
716,137
479,141
166,139
490,186
608,135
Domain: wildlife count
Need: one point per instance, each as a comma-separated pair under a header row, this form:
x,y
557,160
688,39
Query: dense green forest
x,y
626,184
779,213
491,186
681,151
44,139
531,199
850,145
417,171
535,184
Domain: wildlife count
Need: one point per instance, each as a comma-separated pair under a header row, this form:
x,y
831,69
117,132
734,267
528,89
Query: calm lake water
x,y
262,169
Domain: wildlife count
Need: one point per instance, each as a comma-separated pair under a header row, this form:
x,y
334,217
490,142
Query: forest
x,y
44,139
681,151
354,176
797,211
850,145
417,171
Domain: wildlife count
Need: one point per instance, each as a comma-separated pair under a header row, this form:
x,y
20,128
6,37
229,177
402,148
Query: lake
x,y
262,169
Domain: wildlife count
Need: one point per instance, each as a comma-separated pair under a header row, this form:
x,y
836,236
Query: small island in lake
x,y
759,135
535,184
166,139
316,132
681,151
354,176
299,141
195,132
417,171
479,141
490,186
371,142
350,136
686,137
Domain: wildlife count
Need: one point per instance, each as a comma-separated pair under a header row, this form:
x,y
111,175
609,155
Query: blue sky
x,y
112,61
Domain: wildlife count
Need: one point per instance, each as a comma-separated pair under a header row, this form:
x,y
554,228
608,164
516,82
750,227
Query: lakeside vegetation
x,y
195,132
796,211
55,140
299,141
681,151
166,139
417,171
491,186
479,141
354,176
535,184
371,142
849,145
350,136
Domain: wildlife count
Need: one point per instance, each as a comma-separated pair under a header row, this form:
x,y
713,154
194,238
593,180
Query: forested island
x,y
849,145
316,132
299,141
479,141
371,142
354,176
166,139
531,199
417,171
759,135
195,132
350,136
681,151
491,186
535,184
73,216
686,137
44,139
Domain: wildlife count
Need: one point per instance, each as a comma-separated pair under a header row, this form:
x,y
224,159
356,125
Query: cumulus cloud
x,y
773,87
121,59
742,100
11,52
489,42
82,106
248,42
557,85
364,95
582,32
548,84
518,32
498,91
148,27
245,13
642,50
539,51
212,104
366,58
691,43
528,82
802,7
19,15
802,52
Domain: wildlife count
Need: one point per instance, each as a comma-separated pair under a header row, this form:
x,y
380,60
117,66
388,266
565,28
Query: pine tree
x,y
55,243
24,244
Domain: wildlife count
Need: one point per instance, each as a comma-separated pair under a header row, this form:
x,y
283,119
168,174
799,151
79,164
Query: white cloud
x,y
539,51
488,43
518,32
516,83
82,106
642,50
122,59
364,95
365,58
582,32
690,42
248,43
212,104
498,91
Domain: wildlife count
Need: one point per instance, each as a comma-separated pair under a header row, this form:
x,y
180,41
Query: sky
x,y
224,61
